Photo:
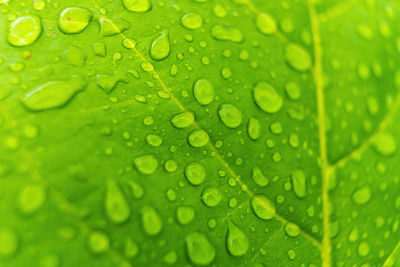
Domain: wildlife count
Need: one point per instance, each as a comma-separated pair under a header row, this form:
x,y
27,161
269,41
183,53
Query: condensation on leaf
x,y
199,248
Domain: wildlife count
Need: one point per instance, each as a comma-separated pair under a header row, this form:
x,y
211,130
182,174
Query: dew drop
x,y
112,27
211,196
363,249
151,221
131,248
74,19
199,248
198,138
160,47
265,24
293,91
146,164
297,57
253,128
230,115
108,82
192,21
298,182
263,207
183,119
195,173
24,31
116,206
154,140
170,165
292,229
31,198
53,94
203,91
385,144
185,214
361,195
99,242
223,33
136,189
267,98
236,240
259,178
138,6
9,243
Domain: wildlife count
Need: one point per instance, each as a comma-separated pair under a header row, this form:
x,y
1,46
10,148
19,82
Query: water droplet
x,y
363,249
199,249
99,242
136,189
198,138
99,49
361,195
297,57
292,229
195,173
211,196
203,91
74,19
24,31
185,214
219,11
183,119
160,47
131,248
192,21
385,144
265,24
253,128
170,165
293,91
9,243
151,221
298,182
223,33
108,82
147,66
236,240
31,198
276,127
137,5
263,207
146,164
154,140
230,115
112,27
258,177
53,94
267,98
116,206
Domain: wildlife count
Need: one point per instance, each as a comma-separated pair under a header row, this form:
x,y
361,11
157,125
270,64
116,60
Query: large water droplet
x,y
9,243
223,33
31,198
236,240
230,115
52,94
385,144
185,214
361,195
183,119
267,98
192,21
297,57
24,31
265,24
198,138
160,48
195,173
151,221
299,183
259,178
146,164
74,19
137,5
116,206
199,249
263,207
211,196
203,91
112,27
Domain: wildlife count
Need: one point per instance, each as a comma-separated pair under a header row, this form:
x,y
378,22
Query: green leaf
x,y
199,132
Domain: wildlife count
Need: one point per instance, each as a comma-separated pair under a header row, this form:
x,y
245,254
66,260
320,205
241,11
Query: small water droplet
x,y
236,240
203,91
362,195
254,128
160,47
131,248
185,214
31,198
258,177
146,164
99,242
230,115
267,98
198,138
195,173
385,144
9,243
24,31
293,91
298,182
138,6
136,189
297,57
192,21
154,140
292,229
263,207
199,248
99,49
116,206
183,119
112,27
74,19
223,33
151,221
265,24
211,196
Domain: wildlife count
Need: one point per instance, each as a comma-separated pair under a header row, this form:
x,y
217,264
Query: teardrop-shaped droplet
x,y
236,240
53,94
160,48
116,206
146,164
263,207
267,98
299,183
230,115
151,221
74,19
24,31
199,249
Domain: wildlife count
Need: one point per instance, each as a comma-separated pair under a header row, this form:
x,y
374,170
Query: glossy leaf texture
x,y
199,132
